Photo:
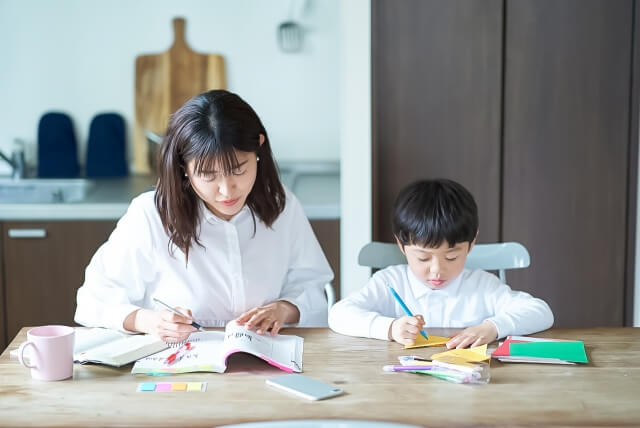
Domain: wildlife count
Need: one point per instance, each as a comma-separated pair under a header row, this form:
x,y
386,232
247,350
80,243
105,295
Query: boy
x,y
435,223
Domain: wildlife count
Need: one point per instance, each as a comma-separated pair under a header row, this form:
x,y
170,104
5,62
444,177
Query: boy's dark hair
x,y
429,212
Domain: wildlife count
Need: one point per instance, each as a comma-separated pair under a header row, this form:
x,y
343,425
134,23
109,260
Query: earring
x,y
185,174
257,158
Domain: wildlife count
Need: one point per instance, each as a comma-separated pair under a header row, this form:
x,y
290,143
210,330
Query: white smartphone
x,y
304,386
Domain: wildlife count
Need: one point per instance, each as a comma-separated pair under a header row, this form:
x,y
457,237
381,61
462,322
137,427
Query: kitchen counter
x,y
108,199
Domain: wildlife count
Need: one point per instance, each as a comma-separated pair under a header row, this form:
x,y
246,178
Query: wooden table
x,y
604,392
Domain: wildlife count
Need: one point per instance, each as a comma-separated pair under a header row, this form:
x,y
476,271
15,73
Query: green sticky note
x,y
568,351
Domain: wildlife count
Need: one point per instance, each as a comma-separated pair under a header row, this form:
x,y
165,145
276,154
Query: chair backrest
x,y
499,256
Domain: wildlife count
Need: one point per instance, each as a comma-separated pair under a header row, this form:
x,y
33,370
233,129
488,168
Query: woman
x,y
219,237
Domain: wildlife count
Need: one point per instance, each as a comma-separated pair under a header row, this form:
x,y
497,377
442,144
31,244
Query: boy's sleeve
x,y
517,313
368,312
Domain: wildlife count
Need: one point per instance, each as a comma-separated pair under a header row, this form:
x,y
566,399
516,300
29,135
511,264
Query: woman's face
x,y
225,195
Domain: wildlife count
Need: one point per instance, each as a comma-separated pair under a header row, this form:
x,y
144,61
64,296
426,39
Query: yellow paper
x,y
477,354
432,341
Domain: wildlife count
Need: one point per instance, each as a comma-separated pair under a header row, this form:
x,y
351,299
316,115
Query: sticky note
x,y
476,354
431,341
163,387
179,386
147,387
194,386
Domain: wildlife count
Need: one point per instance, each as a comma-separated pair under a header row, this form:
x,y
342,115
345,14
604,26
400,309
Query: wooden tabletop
x,y
604,392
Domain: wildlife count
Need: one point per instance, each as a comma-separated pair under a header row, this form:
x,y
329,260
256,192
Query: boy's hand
x,y
476,335
405,330
165,324
270,317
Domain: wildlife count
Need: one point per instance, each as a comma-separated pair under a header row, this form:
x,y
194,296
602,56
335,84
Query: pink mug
x,y
51,356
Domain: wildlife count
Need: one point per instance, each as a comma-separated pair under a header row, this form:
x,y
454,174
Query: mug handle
x,y
21,352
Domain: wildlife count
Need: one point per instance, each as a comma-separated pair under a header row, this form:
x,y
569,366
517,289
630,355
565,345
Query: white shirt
x,y
474,296
233,271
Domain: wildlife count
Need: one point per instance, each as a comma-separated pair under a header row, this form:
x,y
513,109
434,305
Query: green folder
x,y
568,351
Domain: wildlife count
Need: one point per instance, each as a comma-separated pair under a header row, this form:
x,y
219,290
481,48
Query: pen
x,y
404,307
175,311
392,368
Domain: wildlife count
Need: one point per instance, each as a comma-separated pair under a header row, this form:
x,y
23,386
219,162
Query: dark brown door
x,y
44,265
436,101
328,234
566,142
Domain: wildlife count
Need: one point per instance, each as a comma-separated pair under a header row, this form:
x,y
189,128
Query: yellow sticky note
x,y
477,354
178,386
194,386
431,341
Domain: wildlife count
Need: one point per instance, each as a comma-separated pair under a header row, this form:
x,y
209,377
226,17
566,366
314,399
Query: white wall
x,y
355,140
78,56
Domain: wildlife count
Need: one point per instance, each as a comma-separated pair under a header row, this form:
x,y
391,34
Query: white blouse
x,y
473,297
233,271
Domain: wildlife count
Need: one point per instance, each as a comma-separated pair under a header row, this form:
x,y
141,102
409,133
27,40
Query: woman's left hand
x,y
477,335
272,316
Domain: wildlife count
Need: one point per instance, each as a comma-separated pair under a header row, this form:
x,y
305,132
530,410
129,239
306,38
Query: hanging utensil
x,y
290,32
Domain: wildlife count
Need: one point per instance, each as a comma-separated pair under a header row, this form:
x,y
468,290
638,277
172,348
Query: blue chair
x,y
498,257
106,147
57,147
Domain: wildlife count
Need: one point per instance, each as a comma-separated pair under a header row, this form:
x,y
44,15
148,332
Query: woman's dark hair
x,y
429,212
208,129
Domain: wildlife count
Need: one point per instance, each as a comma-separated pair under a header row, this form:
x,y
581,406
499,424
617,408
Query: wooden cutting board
x,y
164,82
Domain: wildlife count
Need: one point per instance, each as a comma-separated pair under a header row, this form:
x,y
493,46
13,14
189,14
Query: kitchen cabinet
x,y
44,263
328,234
533,106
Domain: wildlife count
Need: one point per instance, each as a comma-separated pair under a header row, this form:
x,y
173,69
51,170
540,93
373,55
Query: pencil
x,y
175,311
405,308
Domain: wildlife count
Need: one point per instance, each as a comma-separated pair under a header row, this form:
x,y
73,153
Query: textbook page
x,y
282,351
210,350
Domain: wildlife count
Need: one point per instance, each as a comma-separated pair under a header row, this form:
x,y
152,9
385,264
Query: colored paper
x,y
432,341
148,386
568,351
475,354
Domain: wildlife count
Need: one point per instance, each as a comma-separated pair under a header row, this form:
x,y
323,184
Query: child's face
x,y
437,267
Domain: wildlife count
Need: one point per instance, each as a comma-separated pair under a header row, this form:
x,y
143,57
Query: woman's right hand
x,y
165,324
405,330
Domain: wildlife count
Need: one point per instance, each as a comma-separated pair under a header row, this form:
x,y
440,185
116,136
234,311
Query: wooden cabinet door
x,y
566,143
437,69
44,265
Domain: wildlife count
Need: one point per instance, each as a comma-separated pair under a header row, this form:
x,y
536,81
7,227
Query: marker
x,y
175,311
183,350
392,368
404,307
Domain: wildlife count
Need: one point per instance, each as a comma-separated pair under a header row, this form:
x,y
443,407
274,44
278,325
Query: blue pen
x,y
404,308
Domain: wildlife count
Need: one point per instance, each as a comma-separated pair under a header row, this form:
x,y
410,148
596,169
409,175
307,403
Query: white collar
x,y
419,288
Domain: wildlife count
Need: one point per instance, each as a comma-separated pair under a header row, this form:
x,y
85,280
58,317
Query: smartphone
x,y
304,386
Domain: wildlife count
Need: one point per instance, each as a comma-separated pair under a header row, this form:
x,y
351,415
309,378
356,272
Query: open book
x,y
209,352
110,347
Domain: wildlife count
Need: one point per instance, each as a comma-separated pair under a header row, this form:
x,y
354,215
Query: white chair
x,y
331,296
499,256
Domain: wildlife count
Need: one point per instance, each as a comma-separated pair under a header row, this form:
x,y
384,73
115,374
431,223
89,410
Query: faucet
x,y
17,160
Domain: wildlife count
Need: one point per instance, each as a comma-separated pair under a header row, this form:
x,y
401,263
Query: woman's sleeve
x,y
118,274
308,271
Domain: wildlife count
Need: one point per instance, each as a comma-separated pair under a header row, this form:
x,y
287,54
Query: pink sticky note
x,y
163,387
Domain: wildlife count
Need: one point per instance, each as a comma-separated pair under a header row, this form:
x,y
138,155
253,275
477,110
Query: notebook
x,y
522,349
110,347
211,349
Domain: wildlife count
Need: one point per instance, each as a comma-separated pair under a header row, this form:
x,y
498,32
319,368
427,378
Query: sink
x,y
43,190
